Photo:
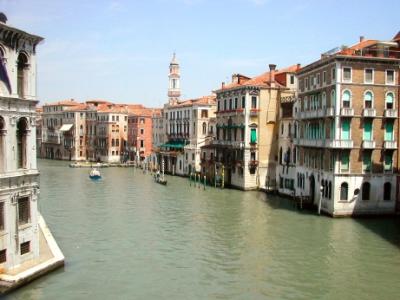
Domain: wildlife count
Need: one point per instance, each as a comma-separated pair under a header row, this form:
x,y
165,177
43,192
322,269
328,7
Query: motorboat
x,y
95,174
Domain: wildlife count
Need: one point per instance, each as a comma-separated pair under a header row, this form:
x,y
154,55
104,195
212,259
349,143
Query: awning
x,y
66,127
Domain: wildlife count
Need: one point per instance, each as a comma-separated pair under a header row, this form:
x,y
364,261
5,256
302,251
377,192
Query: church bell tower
x,y
174,89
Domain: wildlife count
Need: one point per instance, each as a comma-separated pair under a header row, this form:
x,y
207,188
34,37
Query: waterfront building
x,y
140,134
159,136
348,129
287,152
53,129
187,127
246,142
27,248
96,130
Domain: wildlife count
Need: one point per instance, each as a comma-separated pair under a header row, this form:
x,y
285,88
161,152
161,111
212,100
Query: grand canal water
x,y
125,237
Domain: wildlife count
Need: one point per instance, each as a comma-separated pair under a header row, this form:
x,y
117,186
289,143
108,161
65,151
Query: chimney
x,y
3,18
272,68
222,85
362,38
298,67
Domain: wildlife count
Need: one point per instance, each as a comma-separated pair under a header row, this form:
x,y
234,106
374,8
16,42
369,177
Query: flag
x,y
4,75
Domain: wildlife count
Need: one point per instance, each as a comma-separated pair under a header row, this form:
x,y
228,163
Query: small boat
x,y
94,174
160,178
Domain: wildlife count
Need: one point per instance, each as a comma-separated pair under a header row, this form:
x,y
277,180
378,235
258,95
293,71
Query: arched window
x,y
389,103
204,128
2,152
366,189
290,130
280,155
22,131
22,64
387,191
330,190
344,191
346,99
294,155
368,98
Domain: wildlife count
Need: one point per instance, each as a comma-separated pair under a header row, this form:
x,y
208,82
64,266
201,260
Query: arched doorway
x,y
312,189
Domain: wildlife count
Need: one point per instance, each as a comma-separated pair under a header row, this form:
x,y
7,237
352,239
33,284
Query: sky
x,y
119,50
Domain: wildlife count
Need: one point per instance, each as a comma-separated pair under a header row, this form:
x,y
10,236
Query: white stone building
x,y
21,226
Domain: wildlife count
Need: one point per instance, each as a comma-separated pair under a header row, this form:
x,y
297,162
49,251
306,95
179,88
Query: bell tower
x,y
174,89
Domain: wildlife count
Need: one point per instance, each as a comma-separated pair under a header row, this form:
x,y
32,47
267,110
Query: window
x,y
291,79
253,136
318,79
225,107
344,161
324,77
369,76
347,74
22,132
388,164
366,162
3,256
22,65
25,248
346,98
387,190
24,214
389,101
333,98
1,216
204,128
306,83
230,104
253,102
333,74
389,130
192,156
365,191
142,131
243,102
344,191
389,76
345,129
368,97
367,135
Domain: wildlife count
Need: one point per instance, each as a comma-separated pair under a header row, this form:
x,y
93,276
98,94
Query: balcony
x,y
309,143
347,112
390,145
314,114
369,112
339,144
254,112
330,111
390,113
368,144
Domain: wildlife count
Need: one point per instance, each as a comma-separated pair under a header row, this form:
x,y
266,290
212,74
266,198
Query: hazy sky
x,y
120,50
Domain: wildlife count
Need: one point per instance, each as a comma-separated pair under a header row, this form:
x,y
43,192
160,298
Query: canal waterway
x,y
126,237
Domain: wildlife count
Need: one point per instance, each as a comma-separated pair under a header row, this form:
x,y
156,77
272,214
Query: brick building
x,y
348,129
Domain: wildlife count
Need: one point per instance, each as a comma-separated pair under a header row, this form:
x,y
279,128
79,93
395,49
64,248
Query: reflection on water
x,y
125,237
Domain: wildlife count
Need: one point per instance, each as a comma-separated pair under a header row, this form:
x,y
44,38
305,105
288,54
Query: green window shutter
x,y
388,161
389,131
344,161
367,161
345,129
253,136
367,136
